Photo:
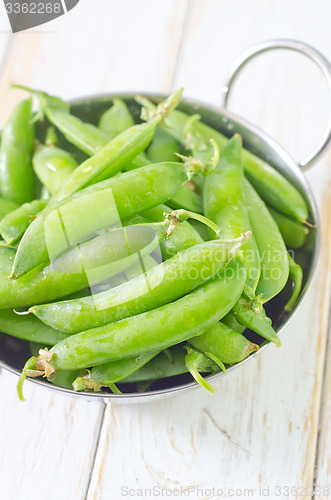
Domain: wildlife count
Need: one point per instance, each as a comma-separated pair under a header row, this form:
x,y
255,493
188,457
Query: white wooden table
x,y
267,427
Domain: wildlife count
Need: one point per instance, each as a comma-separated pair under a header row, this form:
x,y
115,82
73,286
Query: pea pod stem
x,y
29,368
51,139
195,362
182,215
293,232
252,314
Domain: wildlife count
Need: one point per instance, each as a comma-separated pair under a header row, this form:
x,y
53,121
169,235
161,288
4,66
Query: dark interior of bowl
x,y
14,352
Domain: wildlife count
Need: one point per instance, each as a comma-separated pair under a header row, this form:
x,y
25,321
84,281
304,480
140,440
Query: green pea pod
x,y
162,284
29,366
51,138
188,199
272,250
174,323
293,232
168,363
231,321
27,327
45,194
140,160
225,343
163,147
85,265
65,379
184,198
87,137
110,373
224,204
53,166
197,362
62,379
16,173
117,119
14,225
296,275
6,206
79,133
101,205
184,237
112,156
272,186
198,145
251,314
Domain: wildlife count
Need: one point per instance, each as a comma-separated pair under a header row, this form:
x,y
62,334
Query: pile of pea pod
x,y
141,251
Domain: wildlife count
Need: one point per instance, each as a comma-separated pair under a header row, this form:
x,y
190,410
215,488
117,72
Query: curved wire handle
x,y
302,48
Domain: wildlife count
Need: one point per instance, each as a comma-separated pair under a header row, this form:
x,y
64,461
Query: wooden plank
x,y
115,47
323,459
260,429
47,443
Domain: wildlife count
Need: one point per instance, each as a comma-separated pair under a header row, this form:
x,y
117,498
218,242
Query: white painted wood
x,y
47,445
260,429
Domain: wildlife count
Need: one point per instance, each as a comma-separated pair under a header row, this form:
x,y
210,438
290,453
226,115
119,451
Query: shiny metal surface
x,y
297,46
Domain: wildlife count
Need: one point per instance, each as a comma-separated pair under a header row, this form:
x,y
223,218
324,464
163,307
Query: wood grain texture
x,y
48,444
110,46
323,458
260,429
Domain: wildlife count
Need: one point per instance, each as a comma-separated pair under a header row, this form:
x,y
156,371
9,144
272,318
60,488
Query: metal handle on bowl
x,y
297,46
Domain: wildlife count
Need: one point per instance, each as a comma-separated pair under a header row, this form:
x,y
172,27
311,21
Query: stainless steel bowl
x,y
14,352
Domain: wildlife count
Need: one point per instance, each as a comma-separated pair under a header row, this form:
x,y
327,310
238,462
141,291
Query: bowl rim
x,y
305,188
